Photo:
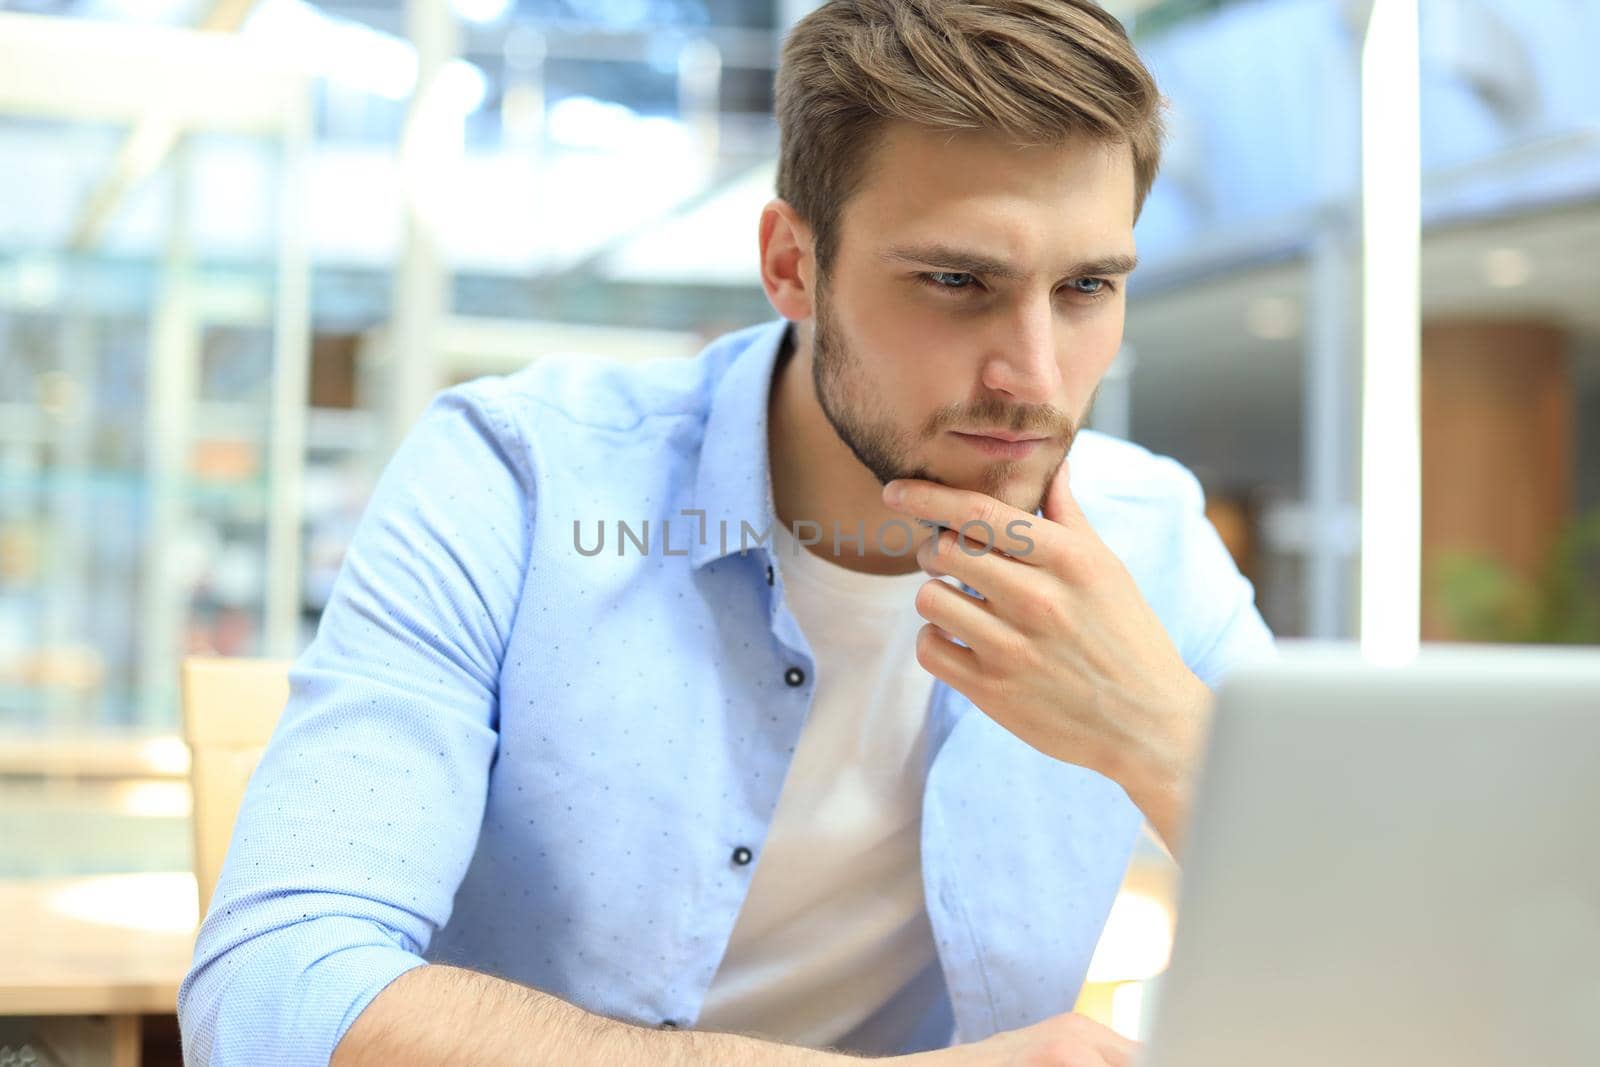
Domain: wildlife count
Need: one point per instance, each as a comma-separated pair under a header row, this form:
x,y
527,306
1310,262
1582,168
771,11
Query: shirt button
x,y
794,676
769,574
668,1024
742,855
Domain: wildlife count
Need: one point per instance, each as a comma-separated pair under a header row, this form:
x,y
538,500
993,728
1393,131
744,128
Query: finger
x,y
1060,506
946,660
1029,600
997,577
972,514
959,615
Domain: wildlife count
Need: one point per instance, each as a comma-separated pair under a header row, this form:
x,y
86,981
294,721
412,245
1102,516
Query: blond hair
x,y
1038,71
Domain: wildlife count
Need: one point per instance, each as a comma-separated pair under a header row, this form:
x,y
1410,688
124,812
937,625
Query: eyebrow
x,y
966,261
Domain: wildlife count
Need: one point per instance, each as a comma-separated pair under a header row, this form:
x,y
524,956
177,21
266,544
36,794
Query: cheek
x,y
903,348
1092,350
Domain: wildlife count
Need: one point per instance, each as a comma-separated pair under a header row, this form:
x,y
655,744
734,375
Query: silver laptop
x,y
1393,867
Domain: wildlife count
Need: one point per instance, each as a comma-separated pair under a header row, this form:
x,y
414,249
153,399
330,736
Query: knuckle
x,y
928,650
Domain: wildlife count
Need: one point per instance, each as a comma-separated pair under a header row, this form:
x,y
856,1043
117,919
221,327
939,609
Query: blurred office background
x,y
242,243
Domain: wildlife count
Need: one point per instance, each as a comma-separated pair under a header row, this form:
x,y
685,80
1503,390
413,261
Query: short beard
x,y
869,431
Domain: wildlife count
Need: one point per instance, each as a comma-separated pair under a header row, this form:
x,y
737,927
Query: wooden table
x,y
88,956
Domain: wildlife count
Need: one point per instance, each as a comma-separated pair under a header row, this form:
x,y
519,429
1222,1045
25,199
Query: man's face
x,y
975,287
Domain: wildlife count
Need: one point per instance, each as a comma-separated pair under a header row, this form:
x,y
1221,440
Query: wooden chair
x,y
230,707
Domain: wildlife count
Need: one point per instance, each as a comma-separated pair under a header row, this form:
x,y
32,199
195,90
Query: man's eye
x,y
948,279
1090,286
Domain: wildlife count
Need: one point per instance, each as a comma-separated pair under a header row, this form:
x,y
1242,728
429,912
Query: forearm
x,y
438,1014
1161,779
1167,812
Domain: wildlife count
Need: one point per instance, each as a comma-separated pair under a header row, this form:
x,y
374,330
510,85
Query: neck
x,y
817,479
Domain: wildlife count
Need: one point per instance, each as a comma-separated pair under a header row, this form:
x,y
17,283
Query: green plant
x,y
1481,599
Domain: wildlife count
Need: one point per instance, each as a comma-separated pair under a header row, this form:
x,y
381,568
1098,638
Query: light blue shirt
x,y
503,753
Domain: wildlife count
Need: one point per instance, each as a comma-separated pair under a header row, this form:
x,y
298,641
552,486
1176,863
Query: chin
x,y
1020,484
1024,495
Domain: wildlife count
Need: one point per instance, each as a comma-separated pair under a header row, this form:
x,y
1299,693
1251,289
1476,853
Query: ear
x,y
788,267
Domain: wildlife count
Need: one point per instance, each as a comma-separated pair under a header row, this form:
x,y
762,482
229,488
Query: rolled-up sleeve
x,y
1223,626
363,813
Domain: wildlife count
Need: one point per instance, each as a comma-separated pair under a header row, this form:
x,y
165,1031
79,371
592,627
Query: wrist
x,y
1159,775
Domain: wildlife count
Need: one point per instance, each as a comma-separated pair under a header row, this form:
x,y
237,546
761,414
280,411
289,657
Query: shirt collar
x,y
733,482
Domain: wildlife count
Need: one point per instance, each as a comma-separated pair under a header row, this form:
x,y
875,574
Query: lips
x,y
997,447
1003,435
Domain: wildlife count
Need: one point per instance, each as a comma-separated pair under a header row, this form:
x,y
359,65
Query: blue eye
x,y
948,279
1096,286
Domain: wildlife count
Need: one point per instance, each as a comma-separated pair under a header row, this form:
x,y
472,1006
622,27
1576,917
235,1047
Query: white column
x,y
291,359
430,143
1391,446
170,394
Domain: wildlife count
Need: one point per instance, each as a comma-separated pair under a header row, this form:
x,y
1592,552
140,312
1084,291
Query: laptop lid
x,y
1393,866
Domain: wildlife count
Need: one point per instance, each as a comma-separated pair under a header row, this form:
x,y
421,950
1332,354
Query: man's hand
x,y
1062,650
1067,1040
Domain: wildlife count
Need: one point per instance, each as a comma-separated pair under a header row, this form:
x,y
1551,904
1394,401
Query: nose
x,y
1022,361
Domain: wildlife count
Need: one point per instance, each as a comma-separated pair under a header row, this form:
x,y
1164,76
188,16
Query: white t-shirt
x,y
834,924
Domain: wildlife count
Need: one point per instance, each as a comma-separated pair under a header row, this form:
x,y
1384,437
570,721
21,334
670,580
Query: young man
x,y
557,787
